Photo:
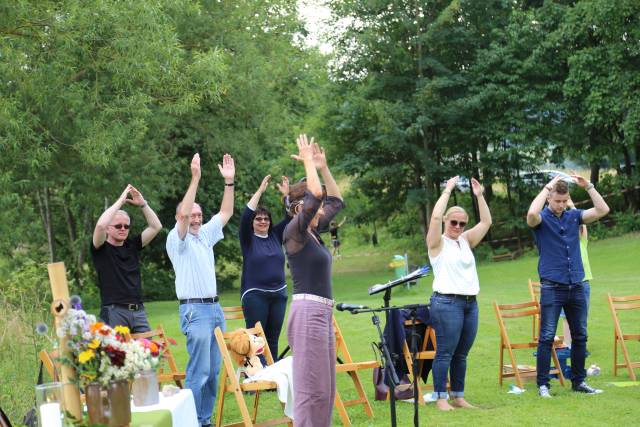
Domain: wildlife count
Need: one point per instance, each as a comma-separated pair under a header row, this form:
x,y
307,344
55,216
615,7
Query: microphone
x,y
350,307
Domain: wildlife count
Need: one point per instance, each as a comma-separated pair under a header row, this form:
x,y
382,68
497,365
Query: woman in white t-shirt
x,y
454,310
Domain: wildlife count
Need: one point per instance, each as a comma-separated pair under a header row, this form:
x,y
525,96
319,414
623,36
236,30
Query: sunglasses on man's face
x,y
261,219
455,223
121,226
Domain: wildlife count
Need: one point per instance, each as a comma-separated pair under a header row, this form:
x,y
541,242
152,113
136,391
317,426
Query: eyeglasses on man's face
x,y
120,226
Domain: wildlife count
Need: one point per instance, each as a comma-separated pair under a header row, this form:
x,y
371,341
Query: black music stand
x,y
386,288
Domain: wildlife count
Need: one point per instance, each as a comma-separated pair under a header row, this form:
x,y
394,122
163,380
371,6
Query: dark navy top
x,y
558,241
309,259
263,258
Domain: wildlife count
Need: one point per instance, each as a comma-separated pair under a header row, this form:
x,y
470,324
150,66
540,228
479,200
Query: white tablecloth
x,y
181,405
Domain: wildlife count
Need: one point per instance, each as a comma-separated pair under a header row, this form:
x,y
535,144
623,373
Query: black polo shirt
x,y
118,269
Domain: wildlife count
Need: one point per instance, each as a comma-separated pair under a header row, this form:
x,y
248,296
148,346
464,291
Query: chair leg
x,y
615,355
627,359
256,401
409,361
341,410
557,363
516,371
363,396
501,366
220,400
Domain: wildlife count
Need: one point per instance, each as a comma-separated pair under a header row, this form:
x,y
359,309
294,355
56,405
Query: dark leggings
x,y
268,308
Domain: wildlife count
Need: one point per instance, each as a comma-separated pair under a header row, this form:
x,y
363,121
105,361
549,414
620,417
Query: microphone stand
x,y
391,376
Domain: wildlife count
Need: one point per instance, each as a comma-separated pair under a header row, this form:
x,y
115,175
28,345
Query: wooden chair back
x,y
232,313
345,363
427,351
50,364
512,311
534,291
229,383
617,304
170,374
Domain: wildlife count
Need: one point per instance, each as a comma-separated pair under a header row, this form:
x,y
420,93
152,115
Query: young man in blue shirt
x,y
561,273
190,248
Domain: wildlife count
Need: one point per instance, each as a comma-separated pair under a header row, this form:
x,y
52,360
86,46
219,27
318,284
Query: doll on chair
x,y
246,349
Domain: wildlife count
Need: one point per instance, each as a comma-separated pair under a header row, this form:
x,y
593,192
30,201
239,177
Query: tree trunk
x,y
595,172
45,216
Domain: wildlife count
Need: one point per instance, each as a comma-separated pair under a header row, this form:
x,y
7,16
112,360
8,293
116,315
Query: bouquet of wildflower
x,y
104,354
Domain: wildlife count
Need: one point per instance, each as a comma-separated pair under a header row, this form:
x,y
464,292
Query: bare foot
x,y
443,405
459,402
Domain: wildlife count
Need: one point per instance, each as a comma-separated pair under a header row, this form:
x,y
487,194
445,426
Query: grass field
x,y
615,270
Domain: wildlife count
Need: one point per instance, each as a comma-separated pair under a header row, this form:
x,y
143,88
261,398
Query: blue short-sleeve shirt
x,y
193,260
558,241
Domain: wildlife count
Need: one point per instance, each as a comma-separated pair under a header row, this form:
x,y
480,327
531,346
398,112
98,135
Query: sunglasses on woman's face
x,y
121,226
455,223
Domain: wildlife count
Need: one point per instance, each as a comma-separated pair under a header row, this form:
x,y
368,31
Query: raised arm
x,y
183,215
100,230
306,156
533,215
320,160
153,222
228,172
476,234
600,207
255,199
434,234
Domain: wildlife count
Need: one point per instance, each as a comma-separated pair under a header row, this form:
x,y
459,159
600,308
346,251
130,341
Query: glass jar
x,y
145,388
119,403
49,404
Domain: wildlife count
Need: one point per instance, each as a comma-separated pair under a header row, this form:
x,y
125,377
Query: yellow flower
x,y
85,356
122,330
94,344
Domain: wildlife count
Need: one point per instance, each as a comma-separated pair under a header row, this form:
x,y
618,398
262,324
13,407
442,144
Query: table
x,y
178,410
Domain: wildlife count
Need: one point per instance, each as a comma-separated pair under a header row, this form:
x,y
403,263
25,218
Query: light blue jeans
x,y
197,322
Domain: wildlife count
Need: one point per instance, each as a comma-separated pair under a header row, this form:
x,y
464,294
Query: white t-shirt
x,y
454,268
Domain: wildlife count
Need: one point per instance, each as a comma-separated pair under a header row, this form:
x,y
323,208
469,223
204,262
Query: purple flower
x,y
76,302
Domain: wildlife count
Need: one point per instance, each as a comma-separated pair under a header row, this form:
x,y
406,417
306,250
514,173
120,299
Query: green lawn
x,y
615,270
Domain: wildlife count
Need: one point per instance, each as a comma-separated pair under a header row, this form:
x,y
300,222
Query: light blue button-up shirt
x,y
193,260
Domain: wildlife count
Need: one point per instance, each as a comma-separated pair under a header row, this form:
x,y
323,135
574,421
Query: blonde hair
x,y
455,209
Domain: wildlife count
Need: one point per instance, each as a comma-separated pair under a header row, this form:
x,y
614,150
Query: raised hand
x,y
123,197
553,182
305,148
264,184
478,189
581,181
284,187
319,158
195,166
451,183
228,168
136,197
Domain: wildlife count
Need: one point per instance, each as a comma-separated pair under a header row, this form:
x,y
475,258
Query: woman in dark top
x,y
262,286
310,326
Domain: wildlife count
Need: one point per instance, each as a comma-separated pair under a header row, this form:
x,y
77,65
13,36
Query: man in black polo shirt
x,y
116,257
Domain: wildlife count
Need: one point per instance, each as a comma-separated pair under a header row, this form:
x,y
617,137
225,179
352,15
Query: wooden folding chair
x,y
534,291
48,359
346,364
504,311
233,313
230,383
623,303
427,351
173,374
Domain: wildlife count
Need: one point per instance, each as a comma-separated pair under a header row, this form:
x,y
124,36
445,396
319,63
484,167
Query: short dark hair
x,y
265,211
560,187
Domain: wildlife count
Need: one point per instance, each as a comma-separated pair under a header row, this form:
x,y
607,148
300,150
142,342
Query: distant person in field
x,y
454,309
116,257
557,233
310,325
584,255
335,240
263,290
190,248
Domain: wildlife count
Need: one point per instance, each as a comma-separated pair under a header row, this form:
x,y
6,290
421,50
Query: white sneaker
x,y
543,391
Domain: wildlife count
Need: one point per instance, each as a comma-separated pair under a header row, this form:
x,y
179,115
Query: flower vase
x,y
96,405
119,403
145,388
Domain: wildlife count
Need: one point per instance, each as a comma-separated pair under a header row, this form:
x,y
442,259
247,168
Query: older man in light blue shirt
x,y
190,248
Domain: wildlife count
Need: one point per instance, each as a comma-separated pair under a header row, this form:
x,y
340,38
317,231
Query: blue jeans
x,y
553,298
268,308
197,322
455,322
